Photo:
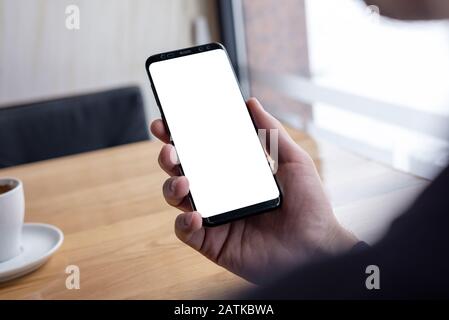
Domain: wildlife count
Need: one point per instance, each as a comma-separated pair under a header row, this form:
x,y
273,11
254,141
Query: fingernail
x,y
188,219
259,104
173,185
174,156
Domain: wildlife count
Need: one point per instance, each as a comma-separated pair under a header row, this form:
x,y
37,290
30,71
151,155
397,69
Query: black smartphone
x,y
216,141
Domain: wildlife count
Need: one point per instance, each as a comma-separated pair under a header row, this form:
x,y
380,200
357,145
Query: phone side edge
x,y
245,212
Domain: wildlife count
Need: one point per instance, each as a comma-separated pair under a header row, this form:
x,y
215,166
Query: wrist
x,y
340,240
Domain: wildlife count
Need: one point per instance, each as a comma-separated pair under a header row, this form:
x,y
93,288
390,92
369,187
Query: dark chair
x,y
55,128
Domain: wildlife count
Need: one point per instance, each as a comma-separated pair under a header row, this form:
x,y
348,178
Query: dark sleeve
x,y
359,246
413,259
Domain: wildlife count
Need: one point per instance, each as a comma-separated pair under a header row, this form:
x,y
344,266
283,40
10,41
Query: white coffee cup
x,y
12,210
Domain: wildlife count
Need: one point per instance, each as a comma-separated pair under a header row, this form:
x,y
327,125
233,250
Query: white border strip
x,y
304,90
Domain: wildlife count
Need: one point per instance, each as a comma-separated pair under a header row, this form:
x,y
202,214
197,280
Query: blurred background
x,y
41,58
334,69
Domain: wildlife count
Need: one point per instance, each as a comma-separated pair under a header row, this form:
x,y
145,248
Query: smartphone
x,y
216,141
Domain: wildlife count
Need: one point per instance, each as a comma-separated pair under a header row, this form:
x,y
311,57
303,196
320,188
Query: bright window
x,y
402,64
377,86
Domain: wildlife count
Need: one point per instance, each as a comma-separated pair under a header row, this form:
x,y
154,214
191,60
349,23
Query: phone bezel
x,y
236,214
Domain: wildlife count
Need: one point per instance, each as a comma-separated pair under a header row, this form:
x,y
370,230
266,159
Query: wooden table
x,y
119,230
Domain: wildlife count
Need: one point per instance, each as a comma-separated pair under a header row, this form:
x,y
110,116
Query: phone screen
x,y
215,139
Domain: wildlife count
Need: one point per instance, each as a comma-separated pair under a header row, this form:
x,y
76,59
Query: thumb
x,y
287,148
188,228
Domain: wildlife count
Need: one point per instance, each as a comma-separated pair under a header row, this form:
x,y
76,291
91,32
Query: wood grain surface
x,y
119,230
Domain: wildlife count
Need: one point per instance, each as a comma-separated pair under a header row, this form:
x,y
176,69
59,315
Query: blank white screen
x,y
215,139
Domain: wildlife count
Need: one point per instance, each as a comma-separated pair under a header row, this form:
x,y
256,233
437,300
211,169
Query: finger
x,y
168,160
188,228
288,150
175,191
157,128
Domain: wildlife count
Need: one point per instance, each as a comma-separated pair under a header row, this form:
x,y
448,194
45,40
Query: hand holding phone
x,y
217,144
262,247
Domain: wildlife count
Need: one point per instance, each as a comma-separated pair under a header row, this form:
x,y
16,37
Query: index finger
x,y
157,128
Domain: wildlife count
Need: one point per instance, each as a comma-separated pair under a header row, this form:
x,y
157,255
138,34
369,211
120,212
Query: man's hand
x,y
260,247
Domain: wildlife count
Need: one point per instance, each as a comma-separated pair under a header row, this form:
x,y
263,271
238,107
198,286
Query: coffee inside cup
x,y
6,187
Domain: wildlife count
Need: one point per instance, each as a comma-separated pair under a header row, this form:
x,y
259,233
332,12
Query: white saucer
x,y
39,242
